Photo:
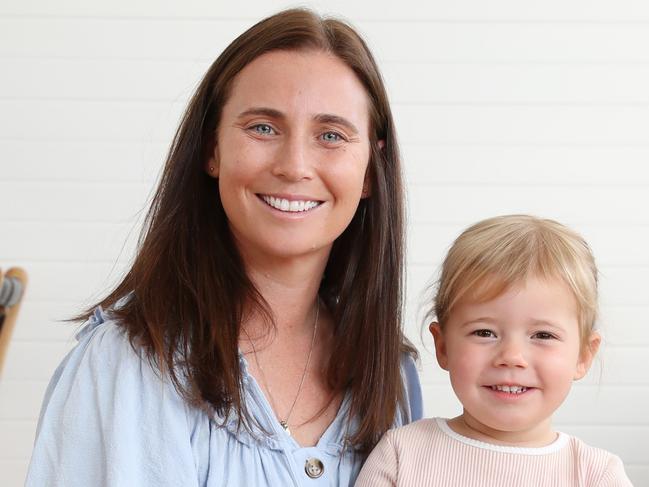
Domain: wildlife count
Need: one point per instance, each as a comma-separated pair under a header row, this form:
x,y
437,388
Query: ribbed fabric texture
x,y
429,453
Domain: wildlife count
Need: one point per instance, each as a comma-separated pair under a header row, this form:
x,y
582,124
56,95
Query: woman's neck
x,y
290,288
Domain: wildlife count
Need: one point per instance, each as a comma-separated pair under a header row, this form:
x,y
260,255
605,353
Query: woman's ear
x,y
367,183
587,354
367,186
212,164
440,344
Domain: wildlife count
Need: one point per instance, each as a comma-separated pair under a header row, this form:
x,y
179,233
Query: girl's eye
x,y
543,335
484,334
263,129
332,137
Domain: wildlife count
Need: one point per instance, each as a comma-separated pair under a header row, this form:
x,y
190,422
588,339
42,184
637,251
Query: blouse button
x,y
313,468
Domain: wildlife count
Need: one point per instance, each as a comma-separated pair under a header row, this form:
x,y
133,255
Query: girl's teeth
x,y
292,206
509,389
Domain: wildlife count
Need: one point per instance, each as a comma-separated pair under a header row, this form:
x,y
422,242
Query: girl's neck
x,y
538,435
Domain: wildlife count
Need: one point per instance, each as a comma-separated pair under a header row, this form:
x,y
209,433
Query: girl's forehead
x,y
532,299
493,286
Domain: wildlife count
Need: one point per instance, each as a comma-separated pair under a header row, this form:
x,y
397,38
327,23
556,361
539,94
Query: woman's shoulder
x,y
103,334
108,416
104,354
106,369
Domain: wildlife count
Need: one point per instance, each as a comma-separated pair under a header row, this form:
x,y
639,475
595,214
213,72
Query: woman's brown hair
x,y
187,289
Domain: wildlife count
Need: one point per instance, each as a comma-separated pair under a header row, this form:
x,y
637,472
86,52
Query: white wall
x,y
502,106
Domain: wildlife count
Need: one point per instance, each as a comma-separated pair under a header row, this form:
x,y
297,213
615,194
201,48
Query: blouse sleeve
x,y
412,388
380,468
109,420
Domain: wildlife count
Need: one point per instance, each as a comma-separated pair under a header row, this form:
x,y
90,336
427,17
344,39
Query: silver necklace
x,y
284,422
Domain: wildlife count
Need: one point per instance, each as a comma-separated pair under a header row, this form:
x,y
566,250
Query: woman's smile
x,y
290,204
291,154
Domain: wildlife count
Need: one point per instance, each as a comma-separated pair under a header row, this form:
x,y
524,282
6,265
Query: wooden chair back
x,y
12,289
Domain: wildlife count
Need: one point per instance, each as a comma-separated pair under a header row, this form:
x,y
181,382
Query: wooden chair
x,y
12,290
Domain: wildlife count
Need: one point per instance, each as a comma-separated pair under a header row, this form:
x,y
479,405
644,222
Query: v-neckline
x,y
274,425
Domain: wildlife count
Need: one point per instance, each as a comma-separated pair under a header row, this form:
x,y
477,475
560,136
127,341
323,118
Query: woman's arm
x,y
108,419
412,387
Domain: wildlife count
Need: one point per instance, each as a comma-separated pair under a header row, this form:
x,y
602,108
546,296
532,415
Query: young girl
x,y
256,340
515,307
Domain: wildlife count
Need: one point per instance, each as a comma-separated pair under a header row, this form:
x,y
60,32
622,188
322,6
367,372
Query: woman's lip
x,y
289,197
290,207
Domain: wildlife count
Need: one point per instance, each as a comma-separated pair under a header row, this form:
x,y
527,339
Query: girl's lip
x,y
518,392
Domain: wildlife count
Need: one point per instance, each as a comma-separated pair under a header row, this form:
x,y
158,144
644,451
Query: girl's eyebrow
x,y
546,323
320,118
492,321
483,319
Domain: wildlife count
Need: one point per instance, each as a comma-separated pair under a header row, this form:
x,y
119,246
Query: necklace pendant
x,y
285,426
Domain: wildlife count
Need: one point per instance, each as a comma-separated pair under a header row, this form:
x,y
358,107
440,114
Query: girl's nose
x,y
292,161
511,353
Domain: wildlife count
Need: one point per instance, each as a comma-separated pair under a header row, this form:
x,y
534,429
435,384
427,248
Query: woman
x,y
256,339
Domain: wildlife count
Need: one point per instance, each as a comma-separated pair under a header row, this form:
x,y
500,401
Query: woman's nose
x,y
511,353
292,161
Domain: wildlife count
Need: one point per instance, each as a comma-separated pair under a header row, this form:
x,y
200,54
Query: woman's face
x,y
292,153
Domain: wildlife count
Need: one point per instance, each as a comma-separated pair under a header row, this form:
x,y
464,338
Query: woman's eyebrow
x,y
320,118
268,112
336,119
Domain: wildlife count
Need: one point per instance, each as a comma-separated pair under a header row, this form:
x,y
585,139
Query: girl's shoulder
x,y
601,467
409,438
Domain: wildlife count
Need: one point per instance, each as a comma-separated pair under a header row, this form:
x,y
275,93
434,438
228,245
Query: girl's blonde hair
x,y
495,254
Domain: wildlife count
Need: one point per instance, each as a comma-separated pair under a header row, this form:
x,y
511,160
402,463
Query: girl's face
x,y
512,360
292,154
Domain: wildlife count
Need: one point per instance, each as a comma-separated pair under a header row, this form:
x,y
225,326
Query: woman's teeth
x,y
293,206
509,389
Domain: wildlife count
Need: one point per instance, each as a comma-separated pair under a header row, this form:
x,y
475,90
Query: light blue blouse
x,y
109,420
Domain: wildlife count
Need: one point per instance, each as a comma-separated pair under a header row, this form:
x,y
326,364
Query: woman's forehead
x,y
300,82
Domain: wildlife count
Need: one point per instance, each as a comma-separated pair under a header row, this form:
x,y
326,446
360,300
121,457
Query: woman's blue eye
x,y
331,137
263,129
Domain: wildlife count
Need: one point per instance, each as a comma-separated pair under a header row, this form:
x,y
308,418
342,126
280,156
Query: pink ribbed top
x,y
430,453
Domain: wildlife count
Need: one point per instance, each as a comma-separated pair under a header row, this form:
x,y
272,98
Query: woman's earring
x,y
211,168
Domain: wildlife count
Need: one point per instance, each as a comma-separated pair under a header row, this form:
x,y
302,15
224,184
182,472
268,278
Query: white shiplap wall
x,y
503,106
